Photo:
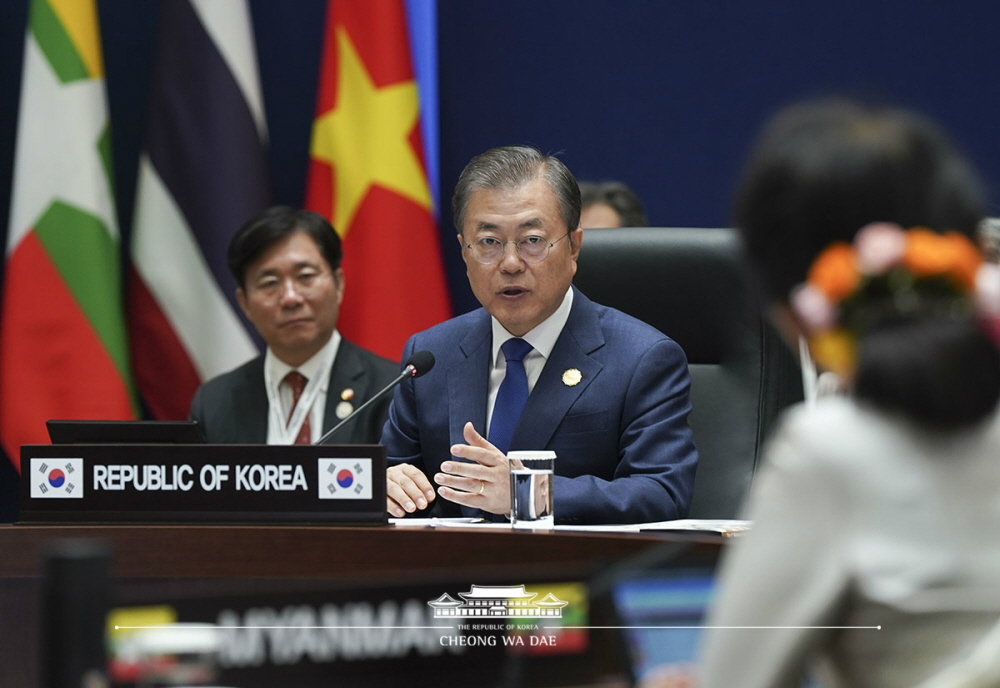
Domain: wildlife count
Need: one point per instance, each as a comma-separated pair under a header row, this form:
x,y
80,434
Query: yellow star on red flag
x,y
366,137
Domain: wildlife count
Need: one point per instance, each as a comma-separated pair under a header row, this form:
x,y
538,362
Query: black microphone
x,y
418,364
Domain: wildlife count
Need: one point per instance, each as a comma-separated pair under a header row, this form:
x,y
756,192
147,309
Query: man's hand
x,y
484,483
406,490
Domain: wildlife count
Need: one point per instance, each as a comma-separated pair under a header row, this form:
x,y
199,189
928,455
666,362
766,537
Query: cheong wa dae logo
x,y
497,601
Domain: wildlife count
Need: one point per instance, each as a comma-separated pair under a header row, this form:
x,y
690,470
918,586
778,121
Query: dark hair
x,y
270,226
618,196
822,170
510,167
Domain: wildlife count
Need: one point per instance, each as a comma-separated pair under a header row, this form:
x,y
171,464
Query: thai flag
x,y
202,175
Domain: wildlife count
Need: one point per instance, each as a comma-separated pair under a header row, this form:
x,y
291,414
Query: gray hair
x,y
510,167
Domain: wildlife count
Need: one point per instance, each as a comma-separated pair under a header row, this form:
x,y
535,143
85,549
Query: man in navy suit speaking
x,y
608,393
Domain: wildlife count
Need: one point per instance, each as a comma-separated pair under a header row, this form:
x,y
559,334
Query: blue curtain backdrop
x,y
664,95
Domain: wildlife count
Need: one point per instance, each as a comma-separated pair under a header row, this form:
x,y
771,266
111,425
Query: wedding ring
x,y
482,486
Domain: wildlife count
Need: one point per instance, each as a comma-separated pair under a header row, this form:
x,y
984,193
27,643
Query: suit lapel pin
x,y
572,377
344,409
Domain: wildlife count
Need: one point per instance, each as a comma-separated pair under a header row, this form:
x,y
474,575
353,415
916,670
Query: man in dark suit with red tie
x,y
286,263
540,366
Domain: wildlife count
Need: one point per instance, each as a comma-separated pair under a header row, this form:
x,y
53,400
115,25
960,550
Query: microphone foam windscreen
x,y
422,362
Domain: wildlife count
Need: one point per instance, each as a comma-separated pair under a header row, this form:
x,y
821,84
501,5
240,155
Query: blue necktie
x,y
512,395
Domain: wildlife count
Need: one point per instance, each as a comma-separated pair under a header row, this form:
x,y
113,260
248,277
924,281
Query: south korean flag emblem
x,y
345,478
56,478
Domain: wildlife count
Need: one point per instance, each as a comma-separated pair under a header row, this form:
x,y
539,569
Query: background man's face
x,y
598,215
519,295
293,298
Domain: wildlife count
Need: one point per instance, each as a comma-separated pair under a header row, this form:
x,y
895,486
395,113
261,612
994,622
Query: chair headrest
x,y
686,282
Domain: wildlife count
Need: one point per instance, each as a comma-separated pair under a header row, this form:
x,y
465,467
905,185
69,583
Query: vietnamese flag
x,y
368,175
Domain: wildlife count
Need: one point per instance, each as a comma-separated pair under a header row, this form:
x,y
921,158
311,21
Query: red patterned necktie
x,y
297,381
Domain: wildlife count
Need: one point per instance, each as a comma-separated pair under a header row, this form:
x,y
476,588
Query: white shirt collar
x,y
542,337
325,356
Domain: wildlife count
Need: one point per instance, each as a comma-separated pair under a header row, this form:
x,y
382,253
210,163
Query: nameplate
x,y
198,483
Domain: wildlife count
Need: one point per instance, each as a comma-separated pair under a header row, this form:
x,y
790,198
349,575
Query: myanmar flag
x,y
63,350
368,175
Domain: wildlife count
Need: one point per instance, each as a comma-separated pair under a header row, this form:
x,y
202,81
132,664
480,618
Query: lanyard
x,y
287,432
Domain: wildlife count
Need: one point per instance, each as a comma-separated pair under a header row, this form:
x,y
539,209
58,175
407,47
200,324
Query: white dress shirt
x,y
542,339
276,372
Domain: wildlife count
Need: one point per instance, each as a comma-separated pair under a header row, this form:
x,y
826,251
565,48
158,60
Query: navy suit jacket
x,y
232,408
625,453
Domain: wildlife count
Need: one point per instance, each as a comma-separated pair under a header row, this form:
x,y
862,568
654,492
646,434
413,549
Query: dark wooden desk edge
x,y
329,552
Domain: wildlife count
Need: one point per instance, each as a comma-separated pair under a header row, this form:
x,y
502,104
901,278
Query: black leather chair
x,y
688,283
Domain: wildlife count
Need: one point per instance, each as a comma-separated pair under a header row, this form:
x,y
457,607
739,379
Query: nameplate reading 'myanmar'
x,y
194,483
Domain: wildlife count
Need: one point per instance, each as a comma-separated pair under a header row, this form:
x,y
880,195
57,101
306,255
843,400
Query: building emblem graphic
x,y
492,601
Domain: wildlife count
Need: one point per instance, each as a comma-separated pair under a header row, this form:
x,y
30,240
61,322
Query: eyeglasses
x,y
306,284
531,249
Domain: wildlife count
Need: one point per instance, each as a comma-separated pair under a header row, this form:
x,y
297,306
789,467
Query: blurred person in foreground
x,y
608,393
873,554
610,204
286,263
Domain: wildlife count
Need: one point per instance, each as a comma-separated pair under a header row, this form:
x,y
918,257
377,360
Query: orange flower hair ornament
x,y
889,272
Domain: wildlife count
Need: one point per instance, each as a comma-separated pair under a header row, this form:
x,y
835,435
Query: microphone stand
x,y
408,371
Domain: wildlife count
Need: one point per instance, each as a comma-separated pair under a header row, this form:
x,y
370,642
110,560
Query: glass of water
x,y
531,482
